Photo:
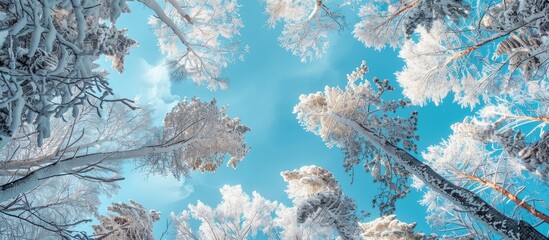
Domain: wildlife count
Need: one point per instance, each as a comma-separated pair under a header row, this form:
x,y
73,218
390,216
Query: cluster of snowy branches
x,y
47,59
49,49
89,150
319,210
482,154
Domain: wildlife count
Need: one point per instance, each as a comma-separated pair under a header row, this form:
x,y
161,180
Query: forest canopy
x,y
69,132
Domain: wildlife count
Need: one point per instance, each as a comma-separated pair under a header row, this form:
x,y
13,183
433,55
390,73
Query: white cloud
x,y
157,93
156,190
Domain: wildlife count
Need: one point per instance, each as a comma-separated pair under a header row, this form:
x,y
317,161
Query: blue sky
x,y
263,90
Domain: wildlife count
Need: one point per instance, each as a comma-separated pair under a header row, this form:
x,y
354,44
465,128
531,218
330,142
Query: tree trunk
x,y
470,202
32,180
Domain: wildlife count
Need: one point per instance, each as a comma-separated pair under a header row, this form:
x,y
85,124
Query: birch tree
x,y
489,154
196,136
349,117
486,168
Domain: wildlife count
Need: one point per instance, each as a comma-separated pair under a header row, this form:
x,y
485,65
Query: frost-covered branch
x,y
199,38
48,59
131,222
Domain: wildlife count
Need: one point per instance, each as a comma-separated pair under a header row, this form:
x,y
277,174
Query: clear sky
x,y
263,90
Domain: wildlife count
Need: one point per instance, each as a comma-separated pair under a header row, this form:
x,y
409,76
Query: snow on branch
x,y
129,222
199,38
47,60
306,25
362,101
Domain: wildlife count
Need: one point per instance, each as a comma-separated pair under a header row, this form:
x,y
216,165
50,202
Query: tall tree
x,y
196,136
349,118
488,155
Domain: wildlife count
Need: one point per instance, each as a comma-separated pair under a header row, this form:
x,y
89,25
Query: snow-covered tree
x,y
390,228
319,204
196,136
390,22
237,217
500,49
130,222
350,117
52,210
360,102
306,25
319,208
489,154
47,59
199,37
49,52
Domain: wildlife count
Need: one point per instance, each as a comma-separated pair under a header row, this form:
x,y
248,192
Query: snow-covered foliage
x,y
208,136
390,228
489,154
237,217
319,204
47,59
386,22
318,113
362,101
306,25
39,215
500,49
90,148
199,37
129,222
320,208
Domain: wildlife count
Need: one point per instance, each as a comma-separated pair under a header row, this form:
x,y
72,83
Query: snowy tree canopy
x,y
129,222
199,37
362,101
306,25
47,59
64,133
319,115
48,56
320,208
490,155
207,135
237,217
500,49
92,148
390,228
319,201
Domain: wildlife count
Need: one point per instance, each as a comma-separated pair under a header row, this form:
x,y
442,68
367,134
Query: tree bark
x,y
470,202
33,179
